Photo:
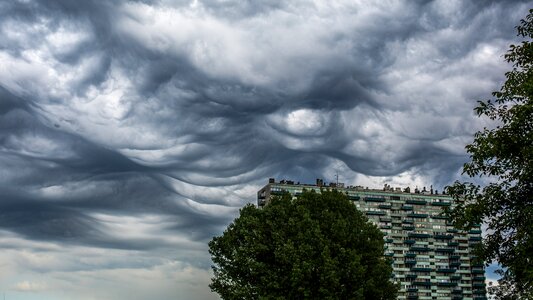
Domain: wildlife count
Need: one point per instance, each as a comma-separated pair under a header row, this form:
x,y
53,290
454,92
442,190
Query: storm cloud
x,y
131,132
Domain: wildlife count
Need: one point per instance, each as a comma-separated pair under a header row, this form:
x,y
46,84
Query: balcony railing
x,y
418,235
421,283
419,248
446,283
415,215
375,213
443,236
446,270
374,199
420,269
445,250
416,201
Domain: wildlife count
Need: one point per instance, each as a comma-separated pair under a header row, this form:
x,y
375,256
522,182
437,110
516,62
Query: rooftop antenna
x,y
337,177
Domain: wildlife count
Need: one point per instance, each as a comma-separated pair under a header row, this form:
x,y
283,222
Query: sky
x,y
131,132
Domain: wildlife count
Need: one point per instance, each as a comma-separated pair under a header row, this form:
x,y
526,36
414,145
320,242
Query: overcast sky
x,y
131,132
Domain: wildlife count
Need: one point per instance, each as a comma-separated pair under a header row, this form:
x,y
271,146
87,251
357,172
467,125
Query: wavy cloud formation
x,y
131,132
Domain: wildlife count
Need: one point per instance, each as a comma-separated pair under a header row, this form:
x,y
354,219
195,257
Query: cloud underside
x,y
145,125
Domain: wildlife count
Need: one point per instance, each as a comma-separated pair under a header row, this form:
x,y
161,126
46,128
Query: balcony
x,y
475,231
273,192
374,199
416,201
443,236
446,270
420,269
408,227
385,206
420,216
421,283
352,197
477,271
407,207
440,217
474,238
375,213
446,283
478,284
445,250
457,291
419,235
419,248
385,226
411,276
410,254
455,264
409,242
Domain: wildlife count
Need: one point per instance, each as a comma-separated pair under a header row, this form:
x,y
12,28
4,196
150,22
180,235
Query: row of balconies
x,y
416,201
440,236
412,264
384,199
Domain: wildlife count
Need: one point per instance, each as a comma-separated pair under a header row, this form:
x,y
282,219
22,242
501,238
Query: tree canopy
x,y
318,246
504,154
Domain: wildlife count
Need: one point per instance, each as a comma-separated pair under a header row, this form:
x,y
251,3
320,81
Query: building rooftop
x,y
338,185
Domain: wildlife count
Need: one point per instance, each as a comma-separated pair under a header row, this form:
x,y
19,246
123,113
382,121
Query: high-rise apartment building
x,y
431,259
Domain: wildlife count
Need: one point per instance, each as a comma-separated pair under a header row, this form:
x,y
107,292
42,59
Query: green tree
x,y
504,155
318,246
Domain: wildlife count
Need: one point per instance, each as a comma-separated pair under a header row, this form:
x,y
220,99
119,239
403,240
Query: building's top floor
x,y
353,192
341,186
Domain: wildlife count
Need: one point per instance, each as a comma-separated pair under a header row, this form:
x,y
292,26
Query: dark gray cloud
x,y
132,131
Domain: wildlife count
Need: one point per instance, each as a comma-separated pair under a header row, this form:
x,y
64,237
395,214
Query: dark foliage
x,y
505,155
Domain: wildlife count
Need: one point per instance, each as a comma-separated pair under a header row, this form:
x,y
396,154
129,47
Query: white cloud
x,y
54,271
27,286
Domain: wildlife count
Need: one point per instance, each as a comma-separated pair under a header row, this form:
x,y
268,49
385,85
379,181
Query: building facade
x,y
431,259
